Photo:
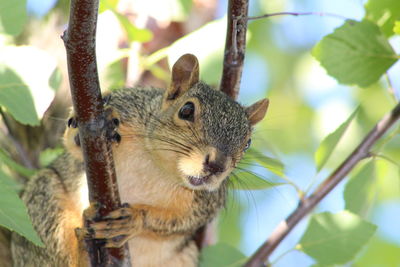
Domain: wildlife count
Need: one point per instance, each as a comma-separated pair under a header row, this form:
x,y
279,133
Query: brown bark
x,y
307,205
79,40
235,47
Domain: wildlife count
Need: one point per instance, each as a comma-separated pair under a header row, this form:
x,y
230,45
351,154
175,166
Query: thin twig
x,y
361,152
391,89
235,47
322,14
80,40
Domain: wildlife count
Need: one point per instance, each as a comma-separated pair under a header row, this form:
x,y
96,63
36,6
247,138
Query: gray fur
x,y
224,125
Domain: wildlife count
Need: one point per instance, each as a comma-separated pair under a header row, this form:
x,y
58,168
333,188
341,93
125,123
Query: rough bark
x,y
79,40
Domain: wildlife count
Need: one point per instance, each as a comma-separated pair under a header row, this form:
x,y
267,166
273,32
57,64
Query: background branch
x,y
235,47
79,41
305,206
322,14
23,155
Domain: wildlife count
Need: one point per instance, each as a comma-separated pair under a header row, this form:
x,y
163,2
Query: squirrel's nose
x,y
214,165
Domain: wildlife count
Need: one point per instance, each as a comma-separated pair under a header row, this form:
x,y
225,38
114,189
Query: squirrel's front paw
x,y
112,123
111,131
116,228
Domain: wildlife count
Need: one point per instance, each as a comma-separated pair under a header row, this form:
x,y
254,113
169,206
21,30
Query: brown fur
x,y
5,252
172,170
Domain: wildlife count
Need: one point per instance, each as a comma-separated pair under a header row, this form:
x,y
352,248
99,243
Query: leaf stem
x,y
381,156
281,256
391,89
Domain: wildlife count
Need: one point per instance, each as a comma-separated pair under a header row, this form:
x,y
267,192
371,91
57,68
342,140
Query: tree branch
x,y
79,41
305,206
322,14
235,47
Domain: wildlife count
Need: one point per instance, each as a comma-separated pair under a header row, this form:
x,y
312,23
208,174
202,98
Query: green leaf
x,y
14,216
357,191
221,255
24,62
55,79
107,5
4,157
12,16
245,180
396,28
133,33
327,145
16,98
355,53
335,238
115,74
384,13
379,253
271,164
48,155
10,182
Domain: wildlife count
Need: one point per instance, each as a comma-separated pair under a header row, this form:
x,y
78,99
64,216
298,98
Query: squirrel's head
x,y
202,133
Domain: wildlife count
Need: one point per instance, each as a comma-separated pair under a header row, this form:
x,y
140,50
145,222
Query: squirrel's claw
x,y
115,232
116,228
72,122
121,213
110,229
82,233
112,126
117,241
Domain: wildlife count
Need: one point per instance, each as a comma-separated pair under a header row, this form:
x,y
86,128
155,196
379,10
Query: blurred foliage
x,y
357,194
12,16
49,155
328,145
384,13
211,256
310,115
335,238
13,213
379,253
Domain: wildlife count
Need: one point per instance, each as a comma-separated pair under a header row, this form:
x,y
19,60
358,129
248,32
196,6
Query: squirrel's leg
x,y
129,221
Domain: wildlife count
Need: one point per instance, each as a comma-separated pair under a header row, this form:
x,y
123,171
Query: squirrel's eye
x,y
187,112
247,145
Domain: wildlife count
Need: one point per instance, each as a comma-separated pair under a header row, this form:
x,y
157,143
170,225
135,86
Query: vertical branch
x,y
235,47
79,40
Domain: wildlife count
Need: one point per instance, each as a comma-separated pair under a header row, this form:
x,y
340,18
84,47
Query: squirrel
x,y
173,149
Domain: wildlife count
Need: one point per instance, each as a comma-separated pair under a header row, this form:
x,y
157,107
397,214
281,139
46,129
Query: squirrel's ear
x,y
257,111
185,73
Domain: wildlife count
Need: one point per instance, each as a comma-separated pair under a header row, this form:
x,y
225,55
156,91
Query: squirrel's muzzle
x,y
205,168
215,162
